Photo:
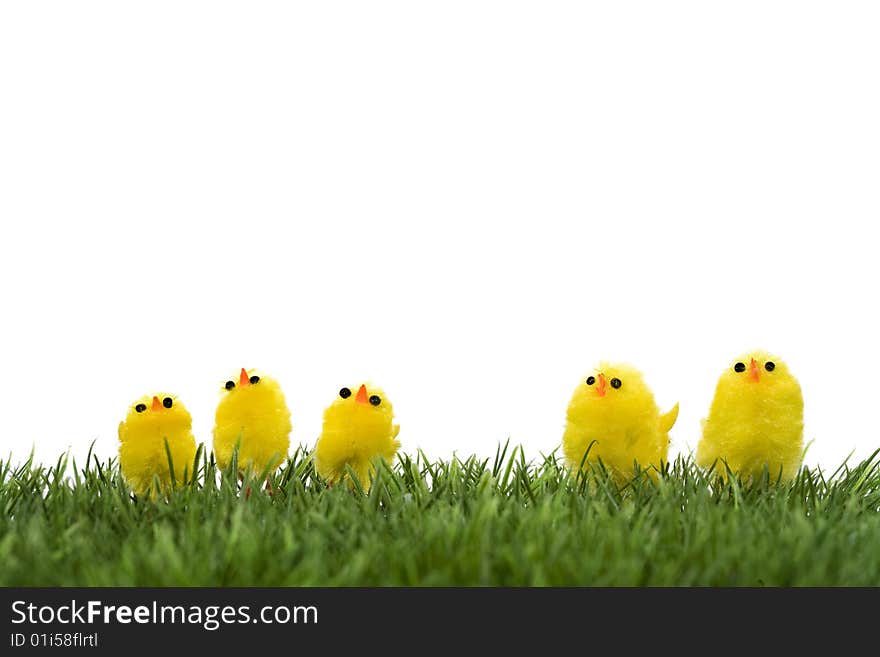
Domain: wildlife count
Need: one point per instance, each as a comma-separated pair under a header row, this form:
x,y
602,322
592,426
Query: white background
x,y
470,203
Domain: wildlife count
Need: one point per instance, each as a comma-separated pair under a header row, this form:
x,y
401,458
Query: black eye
x,y
615,383
769,366
739,367
345,393
375,400
140,408
591,380
255,379
230,385
167,402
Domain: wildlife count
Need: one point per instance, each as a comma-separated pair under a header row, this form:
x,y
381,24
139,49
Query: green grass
x,y
460,522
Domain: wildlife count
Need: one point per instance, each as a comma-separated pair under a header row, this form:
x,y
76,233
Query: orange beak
x,y
157,405
753,371
600,388
362,395
243,379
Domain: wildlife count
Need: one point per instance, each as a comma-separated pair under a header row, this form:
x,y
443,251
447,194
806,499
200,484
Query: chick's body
x,y
612,416
252,415
358,428
152,422
756,419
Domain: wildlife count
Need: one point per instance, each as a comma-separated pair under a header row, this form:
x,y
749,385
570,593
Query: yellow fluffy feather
x,y
613,414
358,428
756,419
253,415
152,421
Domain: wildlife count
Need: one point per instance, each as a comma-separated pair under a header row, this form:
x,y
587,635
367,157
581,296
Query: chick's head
x,y
250,393
756,375
612,391
365,408
159,413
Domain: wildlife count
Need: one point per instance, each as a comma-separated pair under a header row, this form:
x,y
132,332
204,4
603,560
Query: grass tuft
x,y
501,521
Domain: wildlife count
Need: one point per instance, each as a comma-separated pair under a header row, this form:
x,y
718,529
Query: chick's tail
x,y
667,420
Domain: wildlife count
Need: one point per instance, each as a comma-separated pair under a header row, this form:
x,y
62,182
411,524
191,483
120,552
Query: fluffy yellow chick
x,y
357,429
612,414
253,415
152,421
756,419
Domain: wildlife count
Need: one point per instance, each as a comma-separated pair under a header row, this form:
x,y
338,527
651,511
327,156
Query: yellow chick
x,y
357,429
252,415
613,414
151,422
756,419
